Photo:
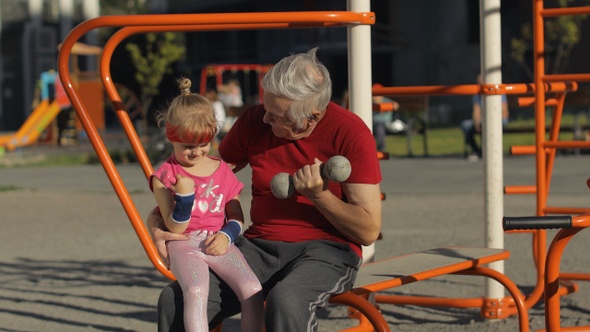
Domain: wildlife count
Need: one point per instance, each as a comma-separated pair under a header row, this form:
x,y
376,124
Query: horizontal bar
x,y
473,89
517,190
530,101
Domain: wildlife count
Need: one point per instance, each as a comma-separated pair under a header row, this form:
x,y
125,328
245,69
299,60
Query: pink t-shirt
x,y
211,193
339,132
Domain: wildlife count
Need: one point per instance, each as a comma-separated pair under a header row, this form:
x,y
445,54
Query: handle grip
x,y
536,222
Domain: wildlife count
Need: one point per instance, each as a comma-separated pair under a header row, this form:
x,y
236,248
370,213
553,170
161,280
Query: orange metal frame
x,y
491,310
544,150
545,156
488,307
553,281
553,275
177,22
217,70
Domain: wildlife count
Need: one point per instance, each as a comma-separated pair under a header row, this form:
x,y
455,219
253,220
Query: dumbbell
x,y
336,169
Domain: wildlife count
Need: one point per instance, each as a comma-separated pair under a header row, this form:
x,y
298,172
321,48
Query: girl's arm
x,y
233,210
219,242
167,202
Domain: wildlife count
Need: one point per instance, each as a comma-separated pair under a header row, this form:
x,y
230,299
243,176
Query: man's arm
x,y
505,112
476,116
160,235
359,219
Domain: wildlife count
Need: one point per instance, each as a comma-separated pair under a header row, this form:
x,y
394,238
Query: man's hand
x,y
477,127
309,182
160,236
216,244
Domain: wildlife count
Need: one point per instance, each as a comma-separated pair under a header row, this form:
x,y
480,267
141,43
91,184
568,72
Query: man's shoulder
x,y
334,108
335,111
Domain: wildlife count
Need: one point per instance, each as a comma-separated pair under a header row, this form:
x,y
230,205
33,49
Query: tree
x,y
562,34
152,60
152,54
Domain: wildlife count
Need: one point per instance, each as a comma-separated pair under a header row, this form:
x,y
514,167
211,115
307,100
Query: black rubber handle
x,y
536,222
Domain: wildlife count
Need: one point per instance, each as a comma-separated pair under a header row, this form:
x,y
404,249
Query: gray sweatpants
x,y
297,279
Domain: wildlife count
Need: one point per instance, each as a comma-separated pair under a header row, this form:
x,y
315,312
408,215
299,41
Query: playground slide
x,y
33,127
27,124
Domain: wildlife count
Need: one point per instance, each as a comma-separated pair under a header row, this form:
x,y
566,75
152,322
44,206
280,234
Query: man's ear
x,y
314,117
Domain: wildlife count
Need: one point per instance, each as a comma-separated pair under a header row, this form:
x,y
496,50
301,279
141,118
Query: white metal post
x,y
91,9
66,18
491,67
359,77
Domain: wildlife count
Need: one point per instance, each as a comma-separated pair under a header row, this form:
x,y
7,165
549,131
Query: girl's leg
x,y
234,270
192,273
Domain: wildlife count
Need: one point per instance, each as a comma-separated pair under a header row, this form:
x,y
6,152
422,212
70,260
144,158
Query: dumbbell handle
x,y
336,169
536,222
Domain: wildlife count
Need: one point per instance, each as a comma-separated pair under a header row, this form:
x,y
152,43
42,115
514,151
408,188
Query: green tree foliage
x,y
153,58
152,54
125,7
118,7
562,34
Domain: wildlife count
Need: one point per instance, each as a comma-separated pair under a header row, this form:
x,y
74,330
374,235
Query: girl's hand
x,y
216,244
183,185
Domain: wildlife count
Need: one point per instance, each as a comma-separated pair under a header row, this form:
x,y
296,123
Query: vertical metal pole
x,y
540,242
91,9
31,30
1,80
491,66
359,77
66,14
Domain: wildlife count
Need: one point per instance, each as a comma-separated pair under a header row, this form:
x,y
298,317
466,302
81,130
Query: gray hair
x,y
303,80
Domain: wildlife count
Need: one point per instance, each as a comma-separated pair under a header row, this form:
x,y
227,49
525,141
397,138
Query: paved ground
x,y
70,261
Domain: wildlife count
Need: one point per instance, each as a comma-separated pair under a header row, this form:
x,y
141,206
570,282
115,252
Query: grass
x,y
8,188
440,142
449,141
57,158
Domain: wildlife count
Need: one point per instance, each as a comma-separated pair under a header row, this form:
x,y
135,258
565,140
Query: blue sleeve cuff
x,y
232,230
183,208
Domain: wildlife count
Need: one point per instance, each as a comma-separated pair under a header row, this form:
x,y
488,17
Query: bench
x,y
393,272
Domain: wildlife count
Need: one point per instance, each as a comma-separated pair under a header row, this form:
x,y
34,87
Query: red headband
x,y
172,134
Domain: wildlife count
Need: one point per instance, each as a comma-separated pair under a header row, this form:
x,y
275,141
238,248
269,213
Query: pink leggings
x,y
190,266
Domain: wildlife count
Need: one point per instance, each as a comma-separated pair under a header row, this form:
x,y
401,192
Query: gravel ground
x,y
70,261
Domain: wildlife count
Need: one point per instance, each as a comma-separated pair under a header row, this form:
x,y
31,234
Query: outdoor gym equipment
x,y
216,71
568,227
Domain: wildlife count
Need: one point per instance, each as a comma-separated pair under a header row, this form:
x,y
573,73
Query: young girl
x,y
198,195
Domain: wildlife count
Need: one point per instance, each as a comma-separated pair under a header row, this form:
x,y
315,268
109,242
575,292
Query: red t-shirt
x,y
339,132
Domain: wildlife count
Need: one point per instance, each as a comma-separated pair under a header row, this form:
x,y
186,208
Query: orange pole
x,y
472,89
552,12
555,252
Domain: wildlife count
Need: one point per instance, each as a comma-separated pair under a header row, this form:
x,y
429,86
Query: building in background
x,y
30,31
420,42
